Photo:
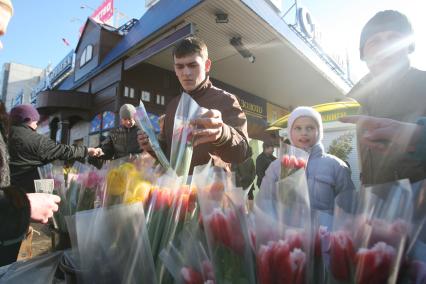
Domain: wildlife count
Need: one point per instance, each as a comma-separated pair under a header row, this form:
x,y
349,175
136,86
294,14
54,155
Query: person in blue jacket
x,y
326,174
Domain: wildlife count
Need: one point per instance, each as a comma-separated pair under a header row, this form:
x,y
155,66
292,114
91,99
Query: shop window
x,y
86,55
95,124
160,100
108,120
146,96
129,92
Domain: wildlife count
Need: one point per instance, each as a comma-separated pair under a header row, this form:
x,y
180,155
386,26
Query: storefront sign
x,y
310,29
274,112
104,12
64,66
335,115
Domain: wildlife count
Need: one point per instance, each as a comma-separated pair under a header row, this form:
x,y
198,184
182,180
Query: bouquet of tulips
x,y
370,234
187,257
225,225
113,245
283,236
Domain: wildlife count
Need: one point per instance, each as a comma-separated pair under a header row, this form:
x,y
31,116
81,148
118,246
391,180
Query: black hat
x,y
388,20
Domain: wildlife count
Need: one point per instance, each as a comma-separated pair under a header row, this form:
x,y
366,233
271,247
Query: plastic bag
x,y
182,141
144,123
113,245
39,270
225,225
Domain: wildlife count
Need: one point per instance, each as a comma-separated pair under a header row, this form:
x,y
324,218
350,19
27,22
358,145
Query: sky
x,y
36,30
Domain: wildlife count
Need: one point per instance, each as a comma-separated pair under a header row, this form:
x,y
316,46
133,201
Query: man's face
x,y
191,70
4,20
385,50
127,122
269,150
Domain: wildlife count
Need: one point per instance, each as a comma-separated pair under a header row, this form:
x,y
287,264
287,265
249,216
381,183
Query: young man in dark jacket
x,y
16,207
221,132
29,149
392,90
263,161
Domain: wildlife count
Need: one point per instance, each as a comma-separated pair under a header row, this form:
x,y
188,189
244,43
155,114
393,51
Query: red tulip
x,y
293,162
301,162
226,230
294,239
285,161
264,264
191,276
321,233
341,255
278,264
162,199
374,265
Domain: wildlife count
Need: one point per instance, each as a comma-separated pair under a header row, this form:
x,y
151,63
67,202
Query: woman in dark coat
x,y
17,207
30,150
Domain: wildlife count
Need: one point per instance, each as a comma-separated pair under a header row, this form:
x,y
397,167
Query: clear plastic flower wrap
x,y
186,258
182,141
113,245
283,231
144,123
370,234
225,225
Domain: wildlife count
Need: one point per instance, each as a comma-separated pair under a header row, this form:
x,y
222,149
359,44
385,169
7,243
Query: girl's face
x,y
304,132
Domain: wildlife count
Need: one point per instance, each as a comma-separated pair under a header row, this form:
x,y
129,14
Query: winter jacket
x,y
400,96
232,147
420,151
29,150
262,163
14,211
326,174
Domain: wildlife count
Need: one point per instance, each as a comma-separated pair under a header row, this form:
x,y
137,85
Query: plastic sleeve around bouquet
x,y
370,234
283,232
170,206
39,270
113,245
186,258
55,171
144,123
225,225
125,183
182,139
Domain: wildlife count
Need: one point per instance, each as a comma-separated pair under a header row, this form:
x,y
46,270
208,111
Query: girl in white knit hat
x,y
326,174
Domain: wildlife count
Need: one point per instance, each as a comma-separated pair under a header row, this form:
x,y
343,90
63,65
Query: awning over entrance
x,y
329,112
285,71
78,103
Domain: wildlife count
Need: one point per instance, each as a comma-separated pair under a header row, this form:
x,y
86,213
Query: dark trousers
x,y
9,254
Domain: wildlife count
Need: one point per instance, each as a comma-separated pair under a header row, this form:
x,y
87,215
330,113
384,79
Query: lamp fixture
x,y
239,46
221,18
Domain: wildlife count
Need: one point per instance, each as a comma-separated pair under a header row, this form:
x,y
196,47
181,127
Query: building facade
x,y
17,82
255,55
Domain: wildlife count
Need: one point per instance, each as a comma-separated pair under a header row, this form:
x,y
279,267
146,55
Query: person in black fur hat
x,y
392,89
